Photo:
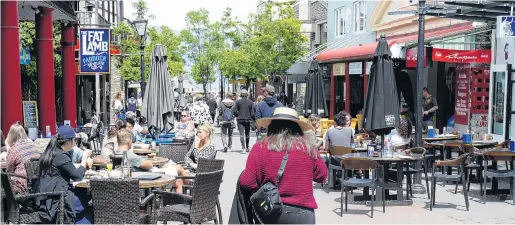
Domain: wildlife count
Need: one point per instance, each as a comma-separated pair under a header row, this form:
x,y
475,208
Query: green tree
x,y
130,65
267,45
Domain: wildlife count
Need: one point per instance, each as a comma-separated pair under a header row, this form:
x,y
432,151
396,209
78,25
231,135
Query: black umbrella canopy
x,y
315,93
158,101
382,106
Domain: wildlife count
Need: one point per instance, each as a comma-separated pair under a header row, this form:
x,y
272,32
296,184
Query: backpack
x,y
228,115
132,105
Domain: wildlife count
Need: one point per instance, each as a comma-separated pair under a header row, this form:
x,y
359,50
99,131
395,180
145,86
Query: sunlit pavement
x,y
450,207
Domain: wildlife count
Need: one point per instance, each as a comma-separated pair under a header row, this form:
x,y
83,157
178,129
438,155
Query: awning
x,y
299,68
366,51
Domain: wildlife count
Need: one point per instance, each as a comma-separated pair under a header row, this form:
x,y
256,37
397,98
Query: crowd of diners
x,y
66,160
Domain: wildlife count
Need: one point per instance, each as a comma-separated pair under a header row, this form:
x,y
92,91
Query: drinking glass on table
x,y
109,165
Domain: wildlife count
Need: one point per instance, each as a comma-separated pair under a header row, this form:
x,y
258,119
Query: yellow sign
x,y
339,69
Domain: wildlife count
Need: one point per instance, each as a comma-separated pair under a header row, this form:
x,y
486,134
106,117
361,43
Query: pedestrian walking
x,y
211,102
227,121
243,112
299,162
254,108
266,108
118,106
283,98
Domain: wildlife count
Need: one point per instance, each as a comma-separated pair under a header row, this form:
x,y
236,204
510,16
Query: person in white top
x,y
401,135
118,106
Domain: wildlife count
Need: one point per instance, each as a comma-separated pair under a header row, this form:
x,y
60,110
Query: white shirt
x,y
118,105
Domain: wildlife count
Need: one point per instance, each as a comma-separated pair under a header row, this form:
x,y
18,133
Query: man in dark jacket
x,y
266,108
243,110
284,99
226,121
211,102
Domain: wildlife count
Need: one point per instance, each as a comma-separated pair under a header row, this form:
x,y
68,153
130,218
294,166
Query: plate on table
x,y
149,177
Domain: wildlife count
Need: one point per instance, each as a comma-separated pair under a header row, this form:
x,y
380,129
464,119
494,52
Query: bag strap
x,y
283,166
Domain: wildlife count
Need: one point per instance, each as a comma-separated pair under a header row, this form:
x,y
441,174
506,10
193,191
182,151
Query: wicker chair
x,y
460,177
117,201
334,165
32,169
359,164
206,165
196,208
174,151
21,211
494,173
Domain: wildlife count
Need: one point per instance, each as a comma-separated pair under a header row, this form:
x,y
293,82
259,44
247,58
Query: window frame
x,y
356,17
339,18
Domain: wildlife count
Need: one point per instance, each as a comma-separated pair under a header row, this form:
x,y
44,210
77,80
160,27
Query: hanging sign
x,y
356,68
411,58
461,107
506,26
94,50
25,56
462,56
339,69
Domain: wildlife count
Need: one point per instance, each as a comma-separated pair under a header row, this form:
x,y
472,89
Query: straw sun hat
x,y
284,113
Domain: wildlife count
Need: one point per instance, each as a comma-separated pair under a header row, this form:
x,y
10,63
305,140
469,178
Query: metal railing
x,y
336,43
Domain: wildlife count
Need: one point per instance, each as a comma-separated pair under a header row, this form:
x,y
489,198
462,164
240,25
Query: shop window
x,y
360,15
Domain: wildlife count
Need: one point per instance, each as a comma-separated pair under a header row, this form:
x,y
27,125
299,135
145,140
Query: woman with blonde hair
x,y
286,146
20,149
203,146
119,106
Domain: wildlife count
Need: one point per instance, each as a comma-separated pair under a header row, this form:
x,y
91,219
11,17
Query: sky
x,y
172,12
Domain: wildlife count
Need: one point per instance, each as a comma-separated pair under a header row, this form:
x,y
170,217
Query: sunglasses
x,y
184,115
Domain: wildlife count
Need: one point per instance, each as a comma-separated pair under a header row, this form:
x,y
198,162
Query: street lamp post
x,y
141,27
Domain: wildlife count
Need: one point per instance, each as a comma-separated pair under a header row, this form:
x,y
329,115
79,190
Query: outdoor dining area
x,y
373,173
134,198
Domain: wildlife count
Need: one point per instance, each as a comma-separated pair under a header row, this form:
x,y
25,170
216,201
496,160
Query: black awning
x,y
65,7
485,11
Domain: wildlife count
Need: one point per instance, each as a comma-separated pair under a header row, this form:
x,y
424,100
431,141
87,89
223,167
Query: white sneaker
x,y
243,151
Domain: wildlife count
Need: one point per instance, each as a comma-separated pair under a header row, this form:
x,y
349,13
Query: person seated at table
x,y
203,146
136,136
340,134
401,135
109,144
124,139
79,149
3,148
56,170
185,126
139,129
20,150
314,120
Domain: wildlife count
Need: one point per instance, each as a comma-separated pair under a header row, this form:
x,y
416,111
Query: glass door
x,y
498,99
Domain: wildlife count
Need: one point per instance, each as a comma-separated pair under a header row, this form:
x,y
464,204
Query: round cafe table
x,y
144,151
441,138
143,184
156,161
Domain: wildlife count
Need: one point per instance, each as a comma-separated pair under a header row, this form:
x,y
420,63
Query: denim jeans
x,y
293,215
83,213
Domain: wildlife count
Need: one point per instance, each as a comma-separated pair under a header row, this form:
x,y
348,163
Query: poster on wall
x,y
479,124
94,50
505,51
506,25
461,107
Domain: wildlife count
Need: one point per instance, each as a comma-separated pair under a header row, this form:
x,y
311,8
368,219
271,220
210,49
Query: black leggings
x,y
244,130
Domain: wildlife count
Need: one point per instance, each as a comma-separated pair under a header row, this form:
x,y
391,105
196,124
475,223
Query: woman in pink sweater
x,y
304,165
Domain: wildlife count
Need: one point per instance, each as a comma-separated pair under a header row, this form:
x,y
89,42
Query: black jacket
x,y
58,179
241,212
212,105
243,109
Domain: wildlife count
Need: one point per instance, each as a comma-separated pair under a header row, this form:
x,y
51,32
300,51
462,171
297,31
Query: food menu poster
x,y
30,114
461,109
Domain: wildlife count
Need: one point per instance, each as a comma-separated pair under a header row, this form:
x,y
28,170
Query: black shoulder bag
x,y
266,200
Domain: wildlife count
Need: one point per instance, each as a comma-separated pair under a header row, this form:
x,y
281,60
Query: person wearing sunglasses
x,y
185,126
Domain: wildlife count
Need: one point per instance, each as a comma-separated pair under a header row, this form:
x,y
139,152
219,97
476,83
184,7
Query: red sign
x,y
461,108
411,58
462,56
114,50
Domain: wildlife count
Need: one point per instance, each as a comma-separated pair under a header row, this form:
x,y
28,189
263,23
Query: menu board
x,y
30,114
462,93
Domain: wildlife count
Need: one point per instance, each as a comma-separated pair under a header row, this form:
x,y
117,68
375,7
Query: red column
x,y
69,81
45,68
258,88
347,88
11,74
332,105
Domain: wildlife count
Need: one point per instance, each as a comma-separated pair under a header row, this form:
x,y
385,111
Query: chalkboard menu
x,y
30,114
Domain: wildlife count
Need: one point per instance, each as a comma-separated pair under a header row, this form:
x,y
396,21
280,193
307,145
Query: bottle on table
x,y
126,169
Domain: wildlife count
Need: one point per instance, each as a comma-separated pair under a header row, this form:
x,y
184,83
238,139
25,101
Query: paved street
x,y
450,207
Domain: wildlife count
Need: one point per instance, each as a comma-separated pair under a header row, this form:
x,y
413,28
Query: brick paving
x,y
450,207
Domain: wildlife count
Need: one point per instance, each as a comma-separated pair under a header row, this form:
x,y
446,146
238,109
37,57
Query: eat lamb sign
x,y
94,50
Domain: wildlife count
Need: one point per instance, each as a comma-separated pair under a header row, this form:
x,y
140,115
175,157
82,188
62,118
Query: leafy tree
x,y
267,45
130,65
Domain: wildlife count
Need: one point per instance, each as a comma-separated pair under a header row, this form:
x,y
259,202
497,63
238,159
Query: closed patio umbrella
x,y
158,101
315,92
382,106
